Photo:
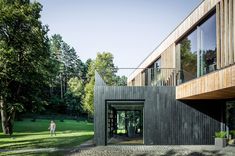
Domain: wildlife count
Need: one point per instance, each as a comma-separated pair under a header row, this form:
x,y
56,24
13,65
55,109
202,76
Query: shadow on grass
x,y
25,134
55,142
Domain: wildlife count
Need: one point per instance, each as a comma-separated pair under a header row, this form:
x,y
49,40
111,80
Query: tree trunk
x,y
7,121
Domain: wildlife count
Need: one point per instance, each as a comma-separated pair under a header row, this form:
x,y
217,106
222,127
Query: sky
x,y
129,29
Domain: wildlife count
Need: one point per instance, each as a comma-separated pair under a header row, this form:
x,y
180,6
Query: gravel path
x,y
139,150
88,149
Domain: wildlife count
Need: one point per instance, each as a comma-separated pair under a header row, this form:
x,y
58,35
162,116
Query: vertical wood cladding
x,y
166,120
219,85
225,33
168,57
218,36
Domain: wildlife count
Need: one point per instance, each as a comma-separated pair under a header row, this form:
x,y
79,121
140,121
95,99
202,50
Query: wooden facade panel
x,y
233,76
226,29
230,34
225,38
210,85
214,82
233,32
168,57
228,72
218,36
166,120
216,79
222,26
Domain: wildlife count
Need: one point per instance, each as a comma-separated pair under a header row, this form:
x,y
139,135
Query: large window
x,y
207,33
188,57
198,50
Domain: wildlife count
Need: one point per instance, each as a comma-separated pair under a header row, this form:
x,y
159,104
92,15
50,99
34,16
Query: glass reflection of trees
x,y
207,31
188,60
198,51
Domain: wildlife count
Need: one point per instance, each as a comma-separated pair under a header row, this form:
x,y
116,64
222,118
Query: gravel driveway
x,y
140,150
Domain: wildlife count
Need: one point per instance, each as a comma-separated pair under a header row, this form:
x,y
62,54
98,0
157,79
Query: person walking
x,y
52,128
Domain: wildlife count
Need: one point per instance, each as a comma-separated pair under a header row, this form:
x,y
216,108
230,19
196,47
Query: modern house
x,y
182,90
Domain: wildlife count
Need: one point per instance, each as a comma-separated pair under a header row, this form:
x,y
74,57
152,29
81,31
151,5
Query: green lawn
x,y
28,135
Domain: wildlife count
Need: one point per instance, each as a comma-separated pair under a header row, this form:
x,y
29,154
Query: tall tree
x,y
70,69
104,65
25,65
73,96
69,63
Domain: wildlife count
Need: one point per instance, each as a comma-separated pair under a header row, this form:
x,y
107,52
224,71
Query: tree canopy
x,y
24,58
40,73
104,65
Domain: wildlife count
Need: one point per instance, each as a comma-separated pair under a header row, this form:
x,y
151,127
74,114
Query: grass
x,y
34,135
121,131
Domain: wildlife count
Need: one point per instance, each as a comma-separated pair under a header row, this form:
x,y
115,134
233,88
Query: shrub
x,y
220,134
232,132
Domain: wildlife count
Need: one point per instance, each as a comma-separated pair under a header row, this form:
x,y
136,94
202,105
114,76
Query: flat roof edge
x,y
199,12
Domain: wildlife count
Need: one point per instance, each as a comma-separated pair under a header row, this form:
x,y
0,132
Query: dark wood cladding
x,y
166,120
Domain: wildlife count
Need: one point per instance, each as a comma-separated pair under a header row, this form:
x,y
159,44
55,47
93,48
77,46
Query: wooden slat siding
x,y
166,120
227,33
184,27
167,57
222,23
218,36
226,27
233,76
98,82
229,77
214,83
231,32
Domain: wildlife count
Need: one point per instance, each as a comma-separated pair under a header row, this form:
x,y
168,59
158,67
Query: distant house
x,y
182,88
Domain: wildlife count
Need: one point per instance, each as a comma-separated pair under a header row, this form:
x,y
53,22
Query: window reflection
x,y
198,51
208,46
188,52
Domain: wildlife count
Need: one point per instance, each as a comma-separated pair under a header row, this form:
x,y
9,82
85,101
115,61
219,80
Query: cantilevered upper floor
x,y
198,56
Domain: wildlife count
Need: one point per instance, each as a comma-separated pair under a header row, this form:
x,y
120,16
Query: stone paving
x,y
141,150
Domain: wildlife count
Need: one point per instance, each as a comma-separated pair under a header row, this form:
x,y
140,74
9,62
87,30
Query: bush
x,y
232,132
220,134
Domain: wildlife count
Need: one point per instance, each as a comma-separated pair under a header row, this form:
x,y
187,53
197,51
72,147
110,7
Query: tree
x,y
120,80
69,64
25,65
73,96
188,60
70,68
104,65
